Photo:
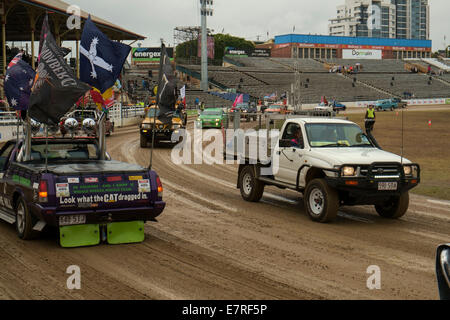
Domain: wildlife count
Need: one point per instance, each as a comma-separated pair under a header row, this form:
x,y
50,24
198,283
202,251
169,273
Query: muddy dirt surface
x,y
211,244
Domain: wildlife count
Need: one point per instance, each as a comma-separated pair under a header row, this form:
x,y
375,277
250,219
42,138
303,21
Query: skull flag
x,y
55,89
101,60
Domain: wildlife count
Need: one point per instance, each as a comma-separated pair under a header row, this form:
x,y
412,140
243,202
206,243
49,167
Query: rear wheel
x,y
321,201
251,188
24,221
395,207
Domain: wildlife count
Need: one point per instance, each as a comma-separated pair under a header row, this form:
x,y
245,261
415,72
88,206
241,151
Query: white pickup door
x,y
290,158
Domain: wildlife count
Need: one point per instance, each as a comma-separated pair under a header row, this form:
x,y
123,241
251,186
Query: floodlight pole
x,y
204,11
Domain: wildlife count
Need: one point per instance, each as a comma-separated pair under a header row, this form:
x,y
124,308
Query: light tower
x,y
206,10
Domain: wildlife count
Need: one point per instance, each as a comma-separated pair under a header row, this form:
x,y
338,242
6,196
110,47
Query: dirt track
x,y
210,244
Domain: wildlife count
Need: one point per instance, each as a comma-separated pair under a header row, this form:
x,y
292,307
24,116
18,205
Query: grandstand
x,y
260,77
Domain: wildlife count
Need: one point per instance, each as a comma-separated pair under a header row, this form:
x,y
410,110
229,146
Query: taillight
x,y
160,187
43,193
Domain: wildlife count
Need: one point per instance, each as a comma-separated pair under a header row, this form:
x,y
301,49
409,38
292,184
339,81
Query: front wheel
x,y
395,207
251,188
143,141
24,221
321,201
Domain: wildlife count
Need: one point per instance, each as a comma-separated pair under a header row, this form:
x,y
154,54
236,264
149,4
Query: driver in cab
x,y
297,140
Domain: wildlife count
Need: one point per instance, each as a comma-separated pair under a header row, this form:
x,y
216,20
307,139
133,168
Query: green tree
x,y
221,41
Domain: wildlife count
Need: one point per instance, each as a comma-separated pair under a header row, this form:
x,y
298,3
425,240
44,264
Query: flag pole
x,y
162,57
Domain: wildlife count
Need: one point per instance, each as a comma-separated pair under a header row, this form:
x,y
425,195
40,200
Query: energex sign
x,y
361,54
148,55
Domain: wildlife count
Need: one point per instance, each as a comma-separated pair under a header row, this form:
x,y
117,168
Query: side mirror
x,y
443,271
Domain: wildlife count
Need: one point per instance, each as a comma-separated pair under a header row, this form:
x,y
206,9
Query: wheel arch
x,y
314,173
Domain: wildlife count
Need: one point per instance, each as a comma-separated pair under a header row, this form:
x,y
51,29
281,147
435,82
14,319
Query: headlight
x,y
161,126
411,171
407,170
348,171
176,126
217,120
146,126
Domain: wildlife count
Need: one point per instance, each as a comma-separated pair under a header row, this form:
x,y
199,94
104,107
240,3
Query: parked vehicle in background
x,y
248,112
385,104
400,103
212,118
323,107
337,106
277,109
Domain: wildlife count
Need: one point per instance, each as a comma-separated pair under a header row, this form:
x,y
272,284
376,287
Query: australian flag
x,y
55,88
167,88
18,82
101,60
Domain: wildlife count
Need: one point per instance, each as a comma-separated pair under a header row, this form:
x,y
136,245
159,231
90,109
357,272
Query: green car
x,y
212,118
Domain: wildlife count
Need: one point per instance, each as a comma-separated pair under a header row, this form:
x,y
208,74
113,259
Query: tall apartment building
x,y
404,19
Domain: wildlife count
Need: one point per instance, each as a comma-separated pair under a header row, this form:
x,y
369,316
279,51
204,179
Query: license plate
x,y
387,186
71,220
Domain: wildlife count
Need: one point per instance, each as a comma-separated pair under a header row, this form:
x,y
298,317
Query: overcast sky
x,y
249,19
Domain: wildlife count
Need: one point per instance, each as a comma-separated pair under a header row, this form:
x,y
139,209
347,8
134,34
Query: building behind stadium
x,y
400,19
331,47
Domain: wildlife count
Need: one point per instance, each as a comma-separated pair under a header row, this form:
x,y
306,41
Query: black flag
x,y
167,88
55,89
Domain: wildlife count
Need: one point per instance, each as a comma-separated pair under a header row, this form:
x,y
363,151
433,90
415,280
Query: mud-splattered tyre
x,y
251,188
24,221
395,207
321,201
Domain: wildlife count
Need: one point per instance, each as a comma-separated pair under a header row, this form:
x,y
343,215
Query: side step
x,y
277,183
8,217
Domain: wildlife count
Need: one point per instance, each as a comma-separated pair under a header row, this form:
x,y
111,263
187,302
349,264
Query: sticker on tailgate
x,y
62,190
144,185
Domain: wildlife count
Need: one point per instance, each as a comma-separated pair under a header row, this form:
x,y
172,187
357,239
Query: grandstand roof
x,y
21,12
321,39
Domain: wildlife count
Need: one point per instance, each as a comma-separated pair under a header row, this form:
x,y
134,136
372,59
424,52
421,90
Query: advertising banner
x,y
210,43
447,101
232,52
361,54
148,55
260,53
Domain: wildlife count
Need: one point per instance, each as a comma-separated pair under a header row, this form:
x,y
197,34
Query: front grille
x,y
381,171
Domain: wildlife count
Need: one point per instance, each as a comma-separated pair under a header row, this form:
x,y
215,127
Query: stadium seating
x,y
261,77
387,65
416,84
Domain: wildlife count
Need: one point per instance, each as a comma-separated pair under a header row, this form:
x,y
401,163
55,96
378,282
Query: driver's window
x,y
293,133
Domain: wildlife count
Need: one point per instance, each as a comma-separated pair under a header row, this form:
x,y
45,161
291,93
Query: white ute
x,y
334,164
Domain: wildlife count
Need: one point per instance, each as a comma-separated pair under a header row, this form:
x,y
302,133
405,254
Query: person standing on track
x,y
370,118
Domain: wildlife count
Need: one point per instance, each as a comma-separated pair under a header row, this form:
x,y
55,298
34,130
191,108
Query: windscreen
x,y
151,113
65,152
211,113
335,135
